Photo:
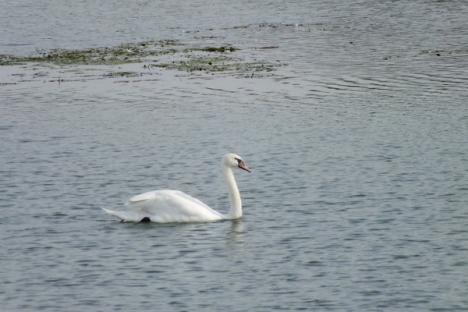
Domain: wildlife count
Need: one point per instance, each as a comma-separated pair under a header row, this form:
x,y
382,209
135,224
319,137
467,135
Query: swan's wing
x,y
189,198
170,195
143,197
129,215
172,206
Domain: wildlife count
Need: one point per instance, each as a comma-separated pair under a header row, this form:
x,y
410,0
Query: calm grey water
x,y
358,200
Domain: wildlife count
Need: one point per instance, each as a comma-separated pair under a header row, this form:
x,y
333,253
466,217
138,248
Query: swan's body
x,y
175,206
166,206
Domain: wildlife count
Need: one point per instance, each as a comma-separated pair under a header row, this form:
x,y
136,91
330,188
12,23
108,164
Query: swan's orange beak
x,y
243,166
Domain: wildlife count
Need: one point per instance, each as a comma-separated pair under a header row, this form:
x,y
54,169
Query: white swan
x,y
175,206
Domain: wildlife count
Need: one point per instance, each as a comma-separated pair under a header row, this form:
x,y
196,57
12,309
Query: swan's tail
x,y
126,216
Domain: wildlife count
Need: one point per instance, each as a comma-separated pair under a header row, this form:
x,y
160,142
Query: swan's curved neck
x,y
234,195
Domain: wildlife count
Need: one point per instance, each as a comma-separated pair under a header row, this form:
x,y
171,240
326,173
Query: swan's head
x,y
235,161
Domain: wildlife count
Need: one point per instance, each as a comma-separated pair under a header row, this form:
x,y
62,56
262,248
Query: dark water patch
x,y
356,221
120,74
461,264
5,127
314,263
403,257
266,47
221,49
445,52
281,26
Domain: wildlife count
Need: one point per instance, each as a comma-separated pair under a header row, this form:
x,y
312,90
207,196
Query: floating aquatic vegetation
x,y
165,54
216,64
123,54
220,49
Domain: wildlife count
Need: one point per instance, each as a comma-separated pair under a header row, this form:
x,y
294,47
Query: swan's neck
x,y
234,195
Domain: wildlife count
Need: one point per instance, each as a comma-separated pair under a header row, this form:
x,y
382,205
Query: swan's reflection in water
x,y
237,232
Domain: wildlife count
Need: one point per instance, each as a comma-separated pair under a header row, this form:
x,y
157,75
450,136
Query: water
x,y
358,143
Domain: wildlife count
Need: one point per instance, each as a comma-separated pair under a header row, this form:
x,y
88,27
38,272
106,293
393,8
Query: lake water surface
x,y
358,140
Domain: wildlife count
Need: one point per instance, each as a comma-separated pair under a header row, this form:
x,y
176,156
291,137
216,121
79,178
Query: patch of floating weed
x,y
200,63
216,64
123,54
209,59
7,60
221,49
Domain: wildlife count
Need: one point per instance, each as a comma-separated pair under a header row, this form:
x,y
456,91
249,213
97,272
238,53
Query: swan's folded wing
x,y
143,197
128,216
172,206
164,195
189,198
